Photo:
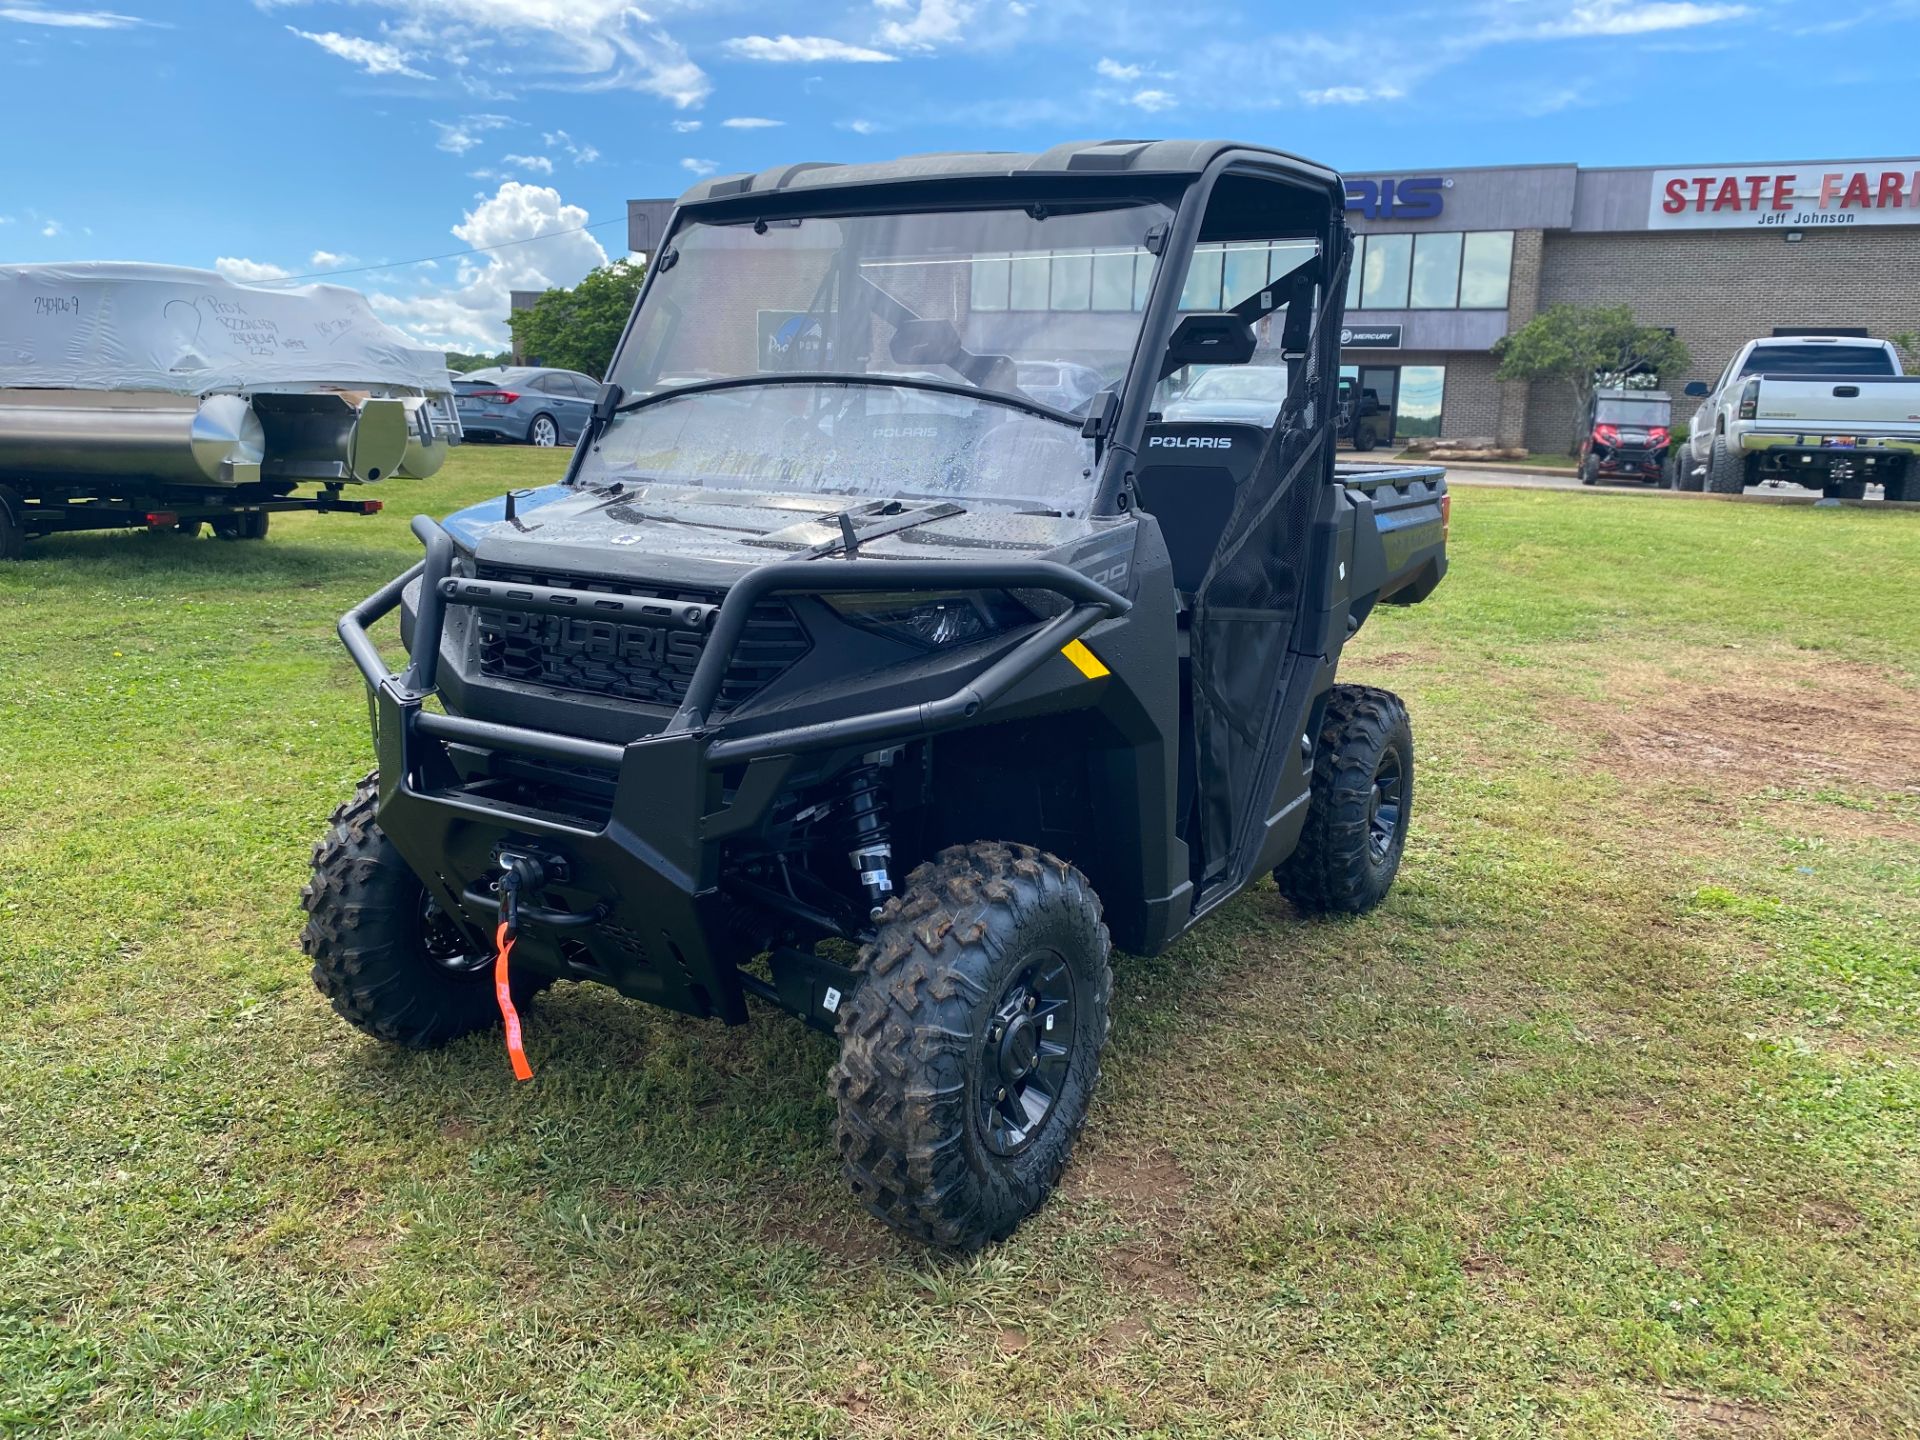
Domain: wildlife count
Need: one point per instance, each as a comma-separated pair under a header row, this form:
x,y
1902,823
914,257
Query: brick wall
x,y
1523,303
1722,288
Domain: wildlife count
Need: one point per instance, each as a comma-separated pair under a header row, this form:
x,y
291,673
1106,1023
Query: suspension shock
x,y
869,828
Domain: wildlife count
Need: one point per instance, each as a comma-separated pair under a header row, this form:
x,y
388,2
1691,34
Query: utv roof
x,y
1080,158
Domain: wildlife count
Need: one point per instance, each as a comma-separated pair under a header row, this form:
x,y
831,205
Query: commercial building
x,y
1450,261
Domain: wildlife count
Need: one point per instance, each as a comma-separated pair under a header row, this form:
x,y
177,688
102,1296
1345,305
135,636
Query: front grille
x,y
629,662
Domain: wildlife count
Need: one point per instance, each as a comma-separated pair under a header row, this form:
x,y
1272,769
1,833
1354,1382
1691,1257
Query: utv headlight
x,y
932,619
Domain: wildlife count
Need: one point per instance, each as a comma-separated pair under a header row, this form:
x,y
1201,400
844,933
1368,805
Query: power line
x,y
450,255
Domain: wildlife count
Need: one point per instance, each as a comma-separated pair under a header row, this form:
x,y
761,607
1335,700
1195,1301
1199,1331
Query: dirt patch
x,y
1696,1415
1012,1341
1149,1270
1834,1217
846,1236
1785,721
1133,1182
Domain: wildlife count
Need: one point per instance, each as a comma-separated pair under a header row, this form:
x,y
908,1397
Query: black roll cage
x,y
1189,192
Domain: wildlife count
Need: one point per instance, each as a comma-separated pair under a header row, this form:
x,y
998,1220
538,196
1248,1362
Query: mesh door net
x,y
1249,604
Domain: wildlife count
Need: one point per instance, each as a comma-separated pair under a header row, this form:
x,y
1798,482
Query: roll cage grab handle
x,y
1092,603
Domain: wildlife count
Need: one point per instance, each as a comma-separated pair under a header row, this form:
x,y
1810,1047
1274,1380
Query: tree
x,y
577,329
1585,346
461,363
1908,343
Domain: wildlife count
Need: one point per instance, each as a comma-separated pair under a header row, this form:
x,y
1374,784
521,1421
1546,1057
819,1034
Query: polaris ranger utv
x,y
845,672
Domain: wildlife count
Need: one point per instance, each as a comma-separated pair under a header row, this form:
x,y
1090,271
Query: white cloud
x,y
750,122
802,50
376,57
49,230
1114,70
1152,101
1626,17
70,19
699,167
471,313
935,23
859,127
577,151
540,164
459,136
328,260
1351,94
249,271
497,48
686,127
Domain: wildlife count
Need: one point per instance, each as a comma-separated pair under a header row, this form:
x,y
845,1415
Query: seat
x,y
1189,477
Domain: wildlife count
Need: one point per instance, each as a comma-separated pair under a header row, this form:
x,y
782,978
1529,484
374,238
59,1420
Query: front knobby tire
x,y
388,959
971,1047
1359,808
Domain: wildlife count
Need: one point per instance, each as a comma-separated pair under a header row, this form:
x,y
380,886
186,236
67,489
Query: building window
x,y
1423,388
1383,282
1113,279
1485,268
1436,271
1072,281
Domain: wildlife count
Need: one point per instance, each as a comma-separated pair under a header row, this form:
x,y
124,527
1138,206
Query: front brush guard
x,y
641,898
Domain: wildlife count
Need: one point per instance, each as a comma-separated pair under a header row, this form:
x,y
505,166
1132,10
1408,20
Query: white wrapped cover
x,y
118,325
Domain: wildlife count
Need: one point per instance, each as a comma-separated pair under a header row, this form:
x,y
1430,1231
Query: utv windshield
x,y
950,354
1632,412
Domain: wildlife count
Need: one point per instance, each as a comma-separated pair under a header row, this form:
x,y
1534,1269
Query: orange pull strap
x,y
503,992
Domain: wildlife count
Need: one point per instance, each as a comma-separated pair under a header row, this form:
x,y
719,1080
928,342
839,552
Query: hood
x,y
708,537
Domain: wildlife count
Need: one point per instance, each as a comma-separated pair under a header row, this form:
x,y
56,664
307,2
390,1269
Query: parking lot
x,y
1603,1126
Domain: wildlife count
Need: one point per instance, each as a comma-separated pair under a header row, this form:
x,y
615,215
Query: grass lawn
x,y
1607,1124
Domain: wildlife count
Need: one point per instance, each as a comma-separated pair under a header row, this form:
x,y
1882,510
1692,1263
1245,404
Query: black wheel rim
x,y
444,943
1387,807
1025,1053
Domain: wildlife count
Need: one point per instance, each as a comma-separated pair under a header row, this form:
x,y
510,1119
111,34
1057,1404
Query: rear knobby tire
x,y
392,964
1726,469
13,525
939,1030
1589,471
1359,808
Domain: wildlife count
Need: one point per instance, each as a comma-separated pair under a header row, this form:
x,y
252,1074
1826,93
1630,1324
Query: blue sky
x,y
284,137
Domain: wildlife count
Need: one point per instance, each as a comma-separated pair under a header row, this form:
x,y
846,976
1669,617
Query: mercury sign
x,y
1792,197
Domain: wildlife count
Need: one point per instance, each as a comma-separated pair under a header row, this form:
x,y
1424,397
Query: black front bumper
x,y
639,904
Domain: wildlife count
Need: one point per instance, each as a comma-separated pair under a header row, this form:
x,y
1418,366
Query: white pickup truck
x,y
1829,412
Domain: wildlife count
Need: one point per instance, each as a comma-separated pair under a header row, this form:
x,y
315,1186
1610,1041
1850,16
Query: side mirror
x,y
1216,337
1697,388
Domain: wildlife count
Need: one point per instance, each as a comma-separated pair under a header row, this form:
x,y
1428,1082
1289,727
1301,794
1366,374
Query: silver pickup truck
x,y
1829,412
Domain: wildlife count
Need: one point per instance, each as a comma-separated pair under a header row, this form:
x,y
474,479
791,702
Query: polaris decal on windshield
x,y
906,432
1191,442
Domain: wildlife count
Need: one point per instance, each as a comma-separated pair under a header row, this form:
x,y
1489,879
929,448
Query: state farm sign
x,y
1796,197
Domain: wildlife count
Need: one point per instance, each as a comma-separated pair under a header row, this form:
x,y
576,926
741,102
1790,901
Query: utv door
x,y
1254,669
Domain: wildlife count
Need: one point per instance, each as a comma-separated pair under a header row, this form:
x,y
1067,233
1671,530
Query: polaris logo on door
x,y
1191,442
1422,198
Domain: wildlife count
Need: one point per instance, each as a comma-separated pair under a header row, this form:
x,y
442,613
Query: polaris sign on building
x,y
1450,260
